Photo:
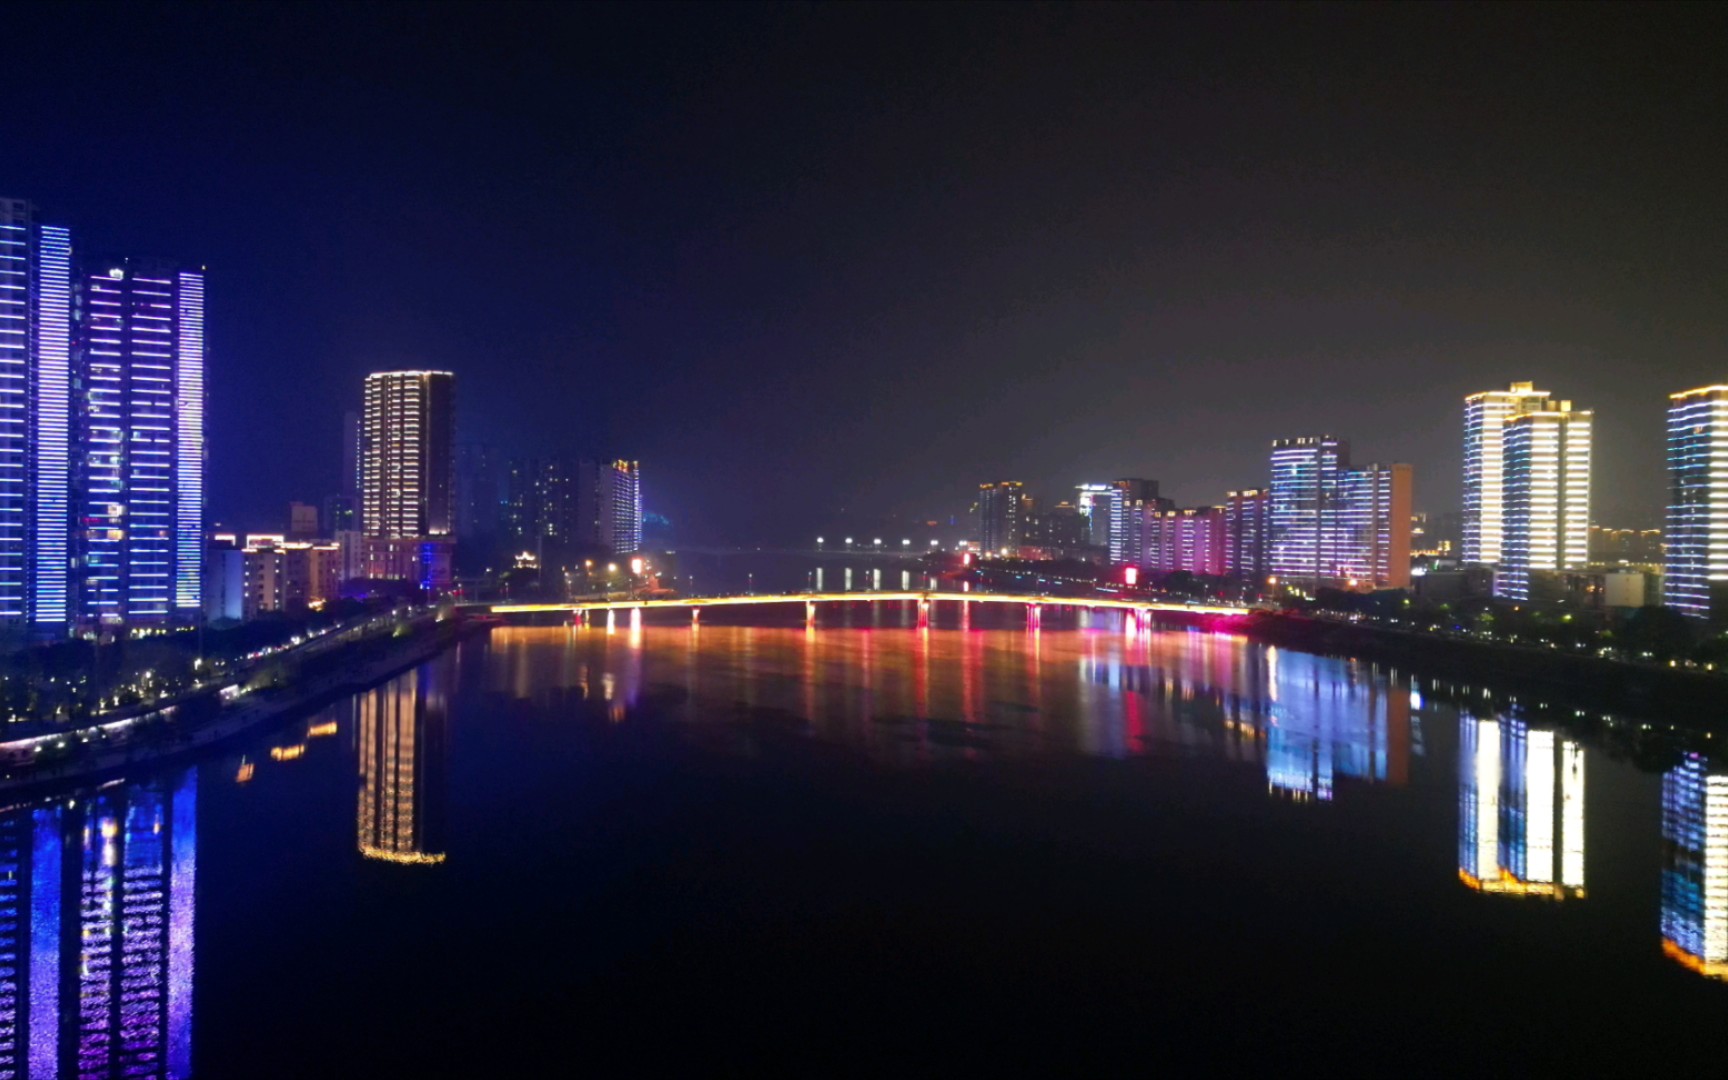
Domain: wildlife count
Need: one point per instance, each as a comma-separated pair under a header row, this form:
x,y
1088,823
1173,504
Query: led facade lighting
x,y
1545,515
408,455
1696,530
139,349
1330,524
1485,417
35,418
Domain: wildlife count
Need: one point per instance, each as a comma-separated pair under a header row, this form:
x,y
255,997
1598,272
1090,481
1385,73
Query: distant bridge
x,y
1033,603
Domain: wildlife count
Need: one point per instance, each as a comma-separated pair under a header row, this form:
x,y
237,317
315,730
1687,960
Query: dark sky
x,y
801,257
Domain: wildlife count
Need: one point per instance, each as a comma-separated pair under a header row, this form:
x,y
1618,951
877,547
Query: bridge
x,y
1034,603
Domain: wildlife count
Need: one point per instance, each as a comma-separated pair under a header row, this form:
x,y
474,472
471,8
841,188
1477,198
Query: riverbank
x,y
98,752
1581,680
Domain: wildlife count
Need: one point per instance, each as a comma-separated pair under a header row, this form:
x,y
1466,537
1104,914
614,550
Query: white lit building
x,y
1696,532
1545,515
1485,416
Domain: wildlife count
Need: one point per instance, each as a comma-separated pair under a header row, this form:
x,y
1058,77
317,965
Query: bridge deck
x,y
866,597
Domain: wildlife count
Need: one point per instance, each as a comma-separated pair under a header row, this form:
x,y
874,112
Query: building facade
x,y
138,351
1545,516
1695,867
408,466
1485,417
36,541
1001,510
618,503
1696,563
1329,524
1247,526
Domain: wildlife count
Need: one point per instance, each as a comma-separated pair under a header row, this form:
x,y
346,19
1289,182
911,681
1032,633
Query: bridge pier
x,y
1034,617
924,613
611,621
695,618
810,614
635,620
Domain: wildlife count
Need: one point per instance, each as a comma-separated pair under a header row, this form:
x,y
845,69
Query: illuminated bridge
x,y
1143,610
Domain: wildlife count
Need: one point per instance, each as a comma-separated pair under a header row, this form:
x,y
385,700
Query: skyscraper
x,y
138,348
1696,571
1093,502
407,459
1304,491
1485,416
1330,524
1134,506
36,434
1246,527
408,465
1001,508
1546,509
618,499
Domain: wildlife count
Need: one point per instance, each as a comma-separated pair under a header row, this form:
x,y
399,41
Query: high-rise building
x,y
1247,526
1485,417
618,504
1330,524
1001,509
1545,516
408,454
408,464
36,466
1696,565
1093,502
138,348
1190,540
1695,867
1521,809
481,489
1133,504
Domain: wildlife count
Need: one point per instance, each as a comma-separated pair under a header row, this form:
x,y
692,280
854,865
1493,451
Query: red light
x,y
966,559
1130,575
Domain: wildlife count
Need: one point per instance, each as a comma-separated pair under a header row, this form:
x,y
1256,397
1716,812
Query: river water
x,y
866,846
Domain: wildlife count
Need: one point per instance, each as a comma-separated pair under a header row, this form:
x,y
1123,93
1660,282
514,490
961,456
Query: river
x,y
869,847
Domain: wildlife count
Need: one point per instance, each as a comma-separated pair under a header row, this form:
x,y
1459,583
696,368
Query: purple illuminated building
x,y
138,347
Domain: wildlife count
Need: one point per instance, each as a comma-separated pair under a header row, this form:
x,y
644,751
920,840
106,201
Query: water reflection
x,y
96,924
1695,867
402,740
1520,808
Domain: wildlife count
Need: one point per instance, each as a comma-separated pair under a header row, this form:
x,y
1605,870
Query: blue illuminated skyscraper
x,y
35,418
1697,528
138,349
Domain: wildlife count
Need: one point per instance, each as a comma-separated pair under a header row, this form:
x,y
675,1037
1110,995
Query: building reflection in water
x,y
1327,722
1695,867
96,921
402,733
1520,809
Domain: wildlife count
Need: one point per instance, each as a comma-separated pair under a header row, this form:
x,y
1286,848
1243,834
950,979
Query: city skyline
x,y
718,245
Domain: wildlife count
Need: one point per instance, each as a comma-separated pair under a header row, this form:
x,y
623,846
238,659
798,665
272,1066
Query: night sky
x,y
798,258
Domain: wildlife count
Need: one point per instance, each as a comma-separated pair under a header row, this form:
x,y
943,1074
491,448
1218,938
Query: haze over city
x,y
800,258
